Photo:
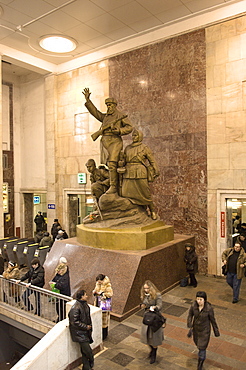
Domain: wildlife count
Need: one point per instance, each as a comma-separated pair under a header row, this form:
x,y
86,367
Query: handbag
x,y
104,303
154,319
224,270
184,282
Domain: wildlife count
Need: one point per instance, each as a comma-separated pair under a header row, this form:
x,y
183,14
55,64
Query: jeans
x,y
87,355
234,283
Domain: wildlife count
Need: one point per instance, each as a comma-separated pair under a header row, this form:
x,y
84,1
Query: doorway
x,y
79,206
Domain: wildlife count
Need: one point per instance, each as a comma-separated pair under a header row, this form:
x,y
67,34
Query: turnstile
x,y
28,253
18,249
7,249
41,253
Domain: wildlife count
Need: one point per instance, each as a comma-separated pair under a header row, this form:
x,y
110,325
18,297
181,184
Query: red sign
x,y
222,224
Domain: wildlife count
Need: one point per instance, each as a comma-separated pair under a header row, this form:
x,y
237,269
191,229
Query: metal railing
x,y
36,301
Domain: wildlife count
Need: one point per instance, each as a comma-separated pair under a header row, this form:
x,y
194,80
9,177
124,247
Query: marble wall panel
x,y
162,87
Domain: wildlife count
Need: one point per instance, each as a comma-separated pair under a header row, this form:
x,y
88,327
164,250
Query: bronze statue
x,y
99,178
114,125
141,168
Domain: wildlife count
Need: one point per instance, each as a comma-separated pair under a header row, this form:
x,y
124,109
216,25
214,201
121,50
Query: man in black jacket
x,y
81,328
35,276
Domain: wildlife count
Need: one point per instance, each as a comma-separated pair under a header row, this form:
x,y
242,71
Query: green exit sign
x,y
81,178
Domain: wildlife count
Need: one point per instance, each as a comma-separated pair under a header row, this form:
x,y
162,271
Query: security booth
x,y
41,253
28,253
18,249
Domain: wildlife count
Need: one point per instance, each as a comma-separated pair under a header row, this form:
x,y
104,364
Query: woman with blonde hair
x,y
152,301
103,290
61,281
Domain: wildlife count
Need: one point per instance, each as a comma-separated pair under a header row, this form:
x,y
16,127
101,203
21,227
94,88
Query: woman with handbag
x,y
191,261
103,291
151,301
200,319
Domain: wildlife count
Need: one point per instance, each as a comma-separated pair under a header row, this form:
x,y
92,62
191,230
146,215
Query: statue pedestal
x,y
163,265
131,238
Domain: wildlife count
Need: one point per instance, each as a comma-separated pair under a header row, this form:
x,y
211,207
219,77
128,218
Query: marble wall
x,y
226,121
162,87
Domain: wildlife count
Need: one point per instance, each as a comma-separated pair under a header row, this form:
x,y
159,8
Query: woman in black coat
x,y
200,319
190,259
62,283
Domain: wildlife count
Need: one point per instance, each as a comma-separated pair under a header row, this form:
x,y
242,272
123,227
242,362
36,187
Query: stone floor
x,y
123,349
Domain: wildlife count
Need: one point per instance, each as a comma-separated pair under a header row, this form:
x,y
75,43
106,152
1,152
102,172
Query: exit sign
x,y
82,178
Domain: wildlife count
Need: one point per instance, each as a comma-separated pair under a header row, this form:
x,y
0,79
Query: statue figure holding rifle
x,y
114,125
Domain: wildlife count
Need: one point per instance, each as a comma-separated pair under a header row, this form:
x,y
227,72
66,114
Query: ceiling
x,y
94,24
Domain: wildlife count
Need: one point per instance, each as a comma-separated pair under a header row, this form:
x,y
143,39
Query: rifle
x,y
108,125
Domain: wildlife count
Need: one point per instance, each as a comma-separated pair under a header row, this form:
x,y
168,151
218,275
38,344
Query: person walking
x,y
151,300
191,261
235,261
35,276
80,326
46,241
199,321
61,281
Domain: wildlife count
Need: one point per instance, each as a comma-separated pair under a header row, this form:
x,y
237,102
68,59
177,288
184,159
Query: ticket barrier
x,y
28,253
18,249
2,251
6,248
9,245
41,253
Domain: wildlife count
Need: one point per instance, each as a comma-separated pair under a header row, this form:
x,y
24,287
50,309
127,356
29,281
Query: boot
x,y
153,356
151,351
105,333
200,364
113,178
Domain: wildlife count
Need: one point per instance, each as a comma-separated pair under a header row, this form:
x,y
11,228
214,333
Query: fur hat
x,y
63,260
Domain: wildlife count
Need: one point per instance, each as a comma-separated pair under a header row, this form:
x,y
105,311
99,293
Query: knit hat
x,y
11,263
202,295
63,260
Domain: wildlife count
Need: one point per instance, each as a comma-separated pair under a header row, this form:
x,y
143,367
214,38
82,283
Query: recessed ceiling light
x,y
57,43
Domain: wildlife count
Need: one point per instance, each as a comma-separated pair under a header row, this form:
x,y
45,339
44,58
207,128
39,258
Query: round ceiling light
x,y
57,43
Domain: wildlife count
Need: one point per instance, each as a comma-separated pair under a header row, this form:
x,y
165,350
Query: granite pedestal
x,y
163,265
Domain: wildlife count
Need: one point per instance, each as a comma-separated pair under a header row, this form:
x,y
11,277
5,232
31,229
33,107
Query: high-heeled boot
x,y
153,356
200,364
151,350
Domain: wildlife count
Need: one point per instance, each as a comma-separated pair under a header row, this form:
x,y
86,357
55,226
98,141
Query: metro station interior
x,y
178,68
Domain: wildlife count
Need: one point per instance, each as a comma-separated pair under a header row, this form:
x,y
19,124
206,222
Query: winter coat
x,y
1,265
35,277
54,230
104,288
62,281
190,258
201,322
147,335
11,273
241,260
46,242
79,318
